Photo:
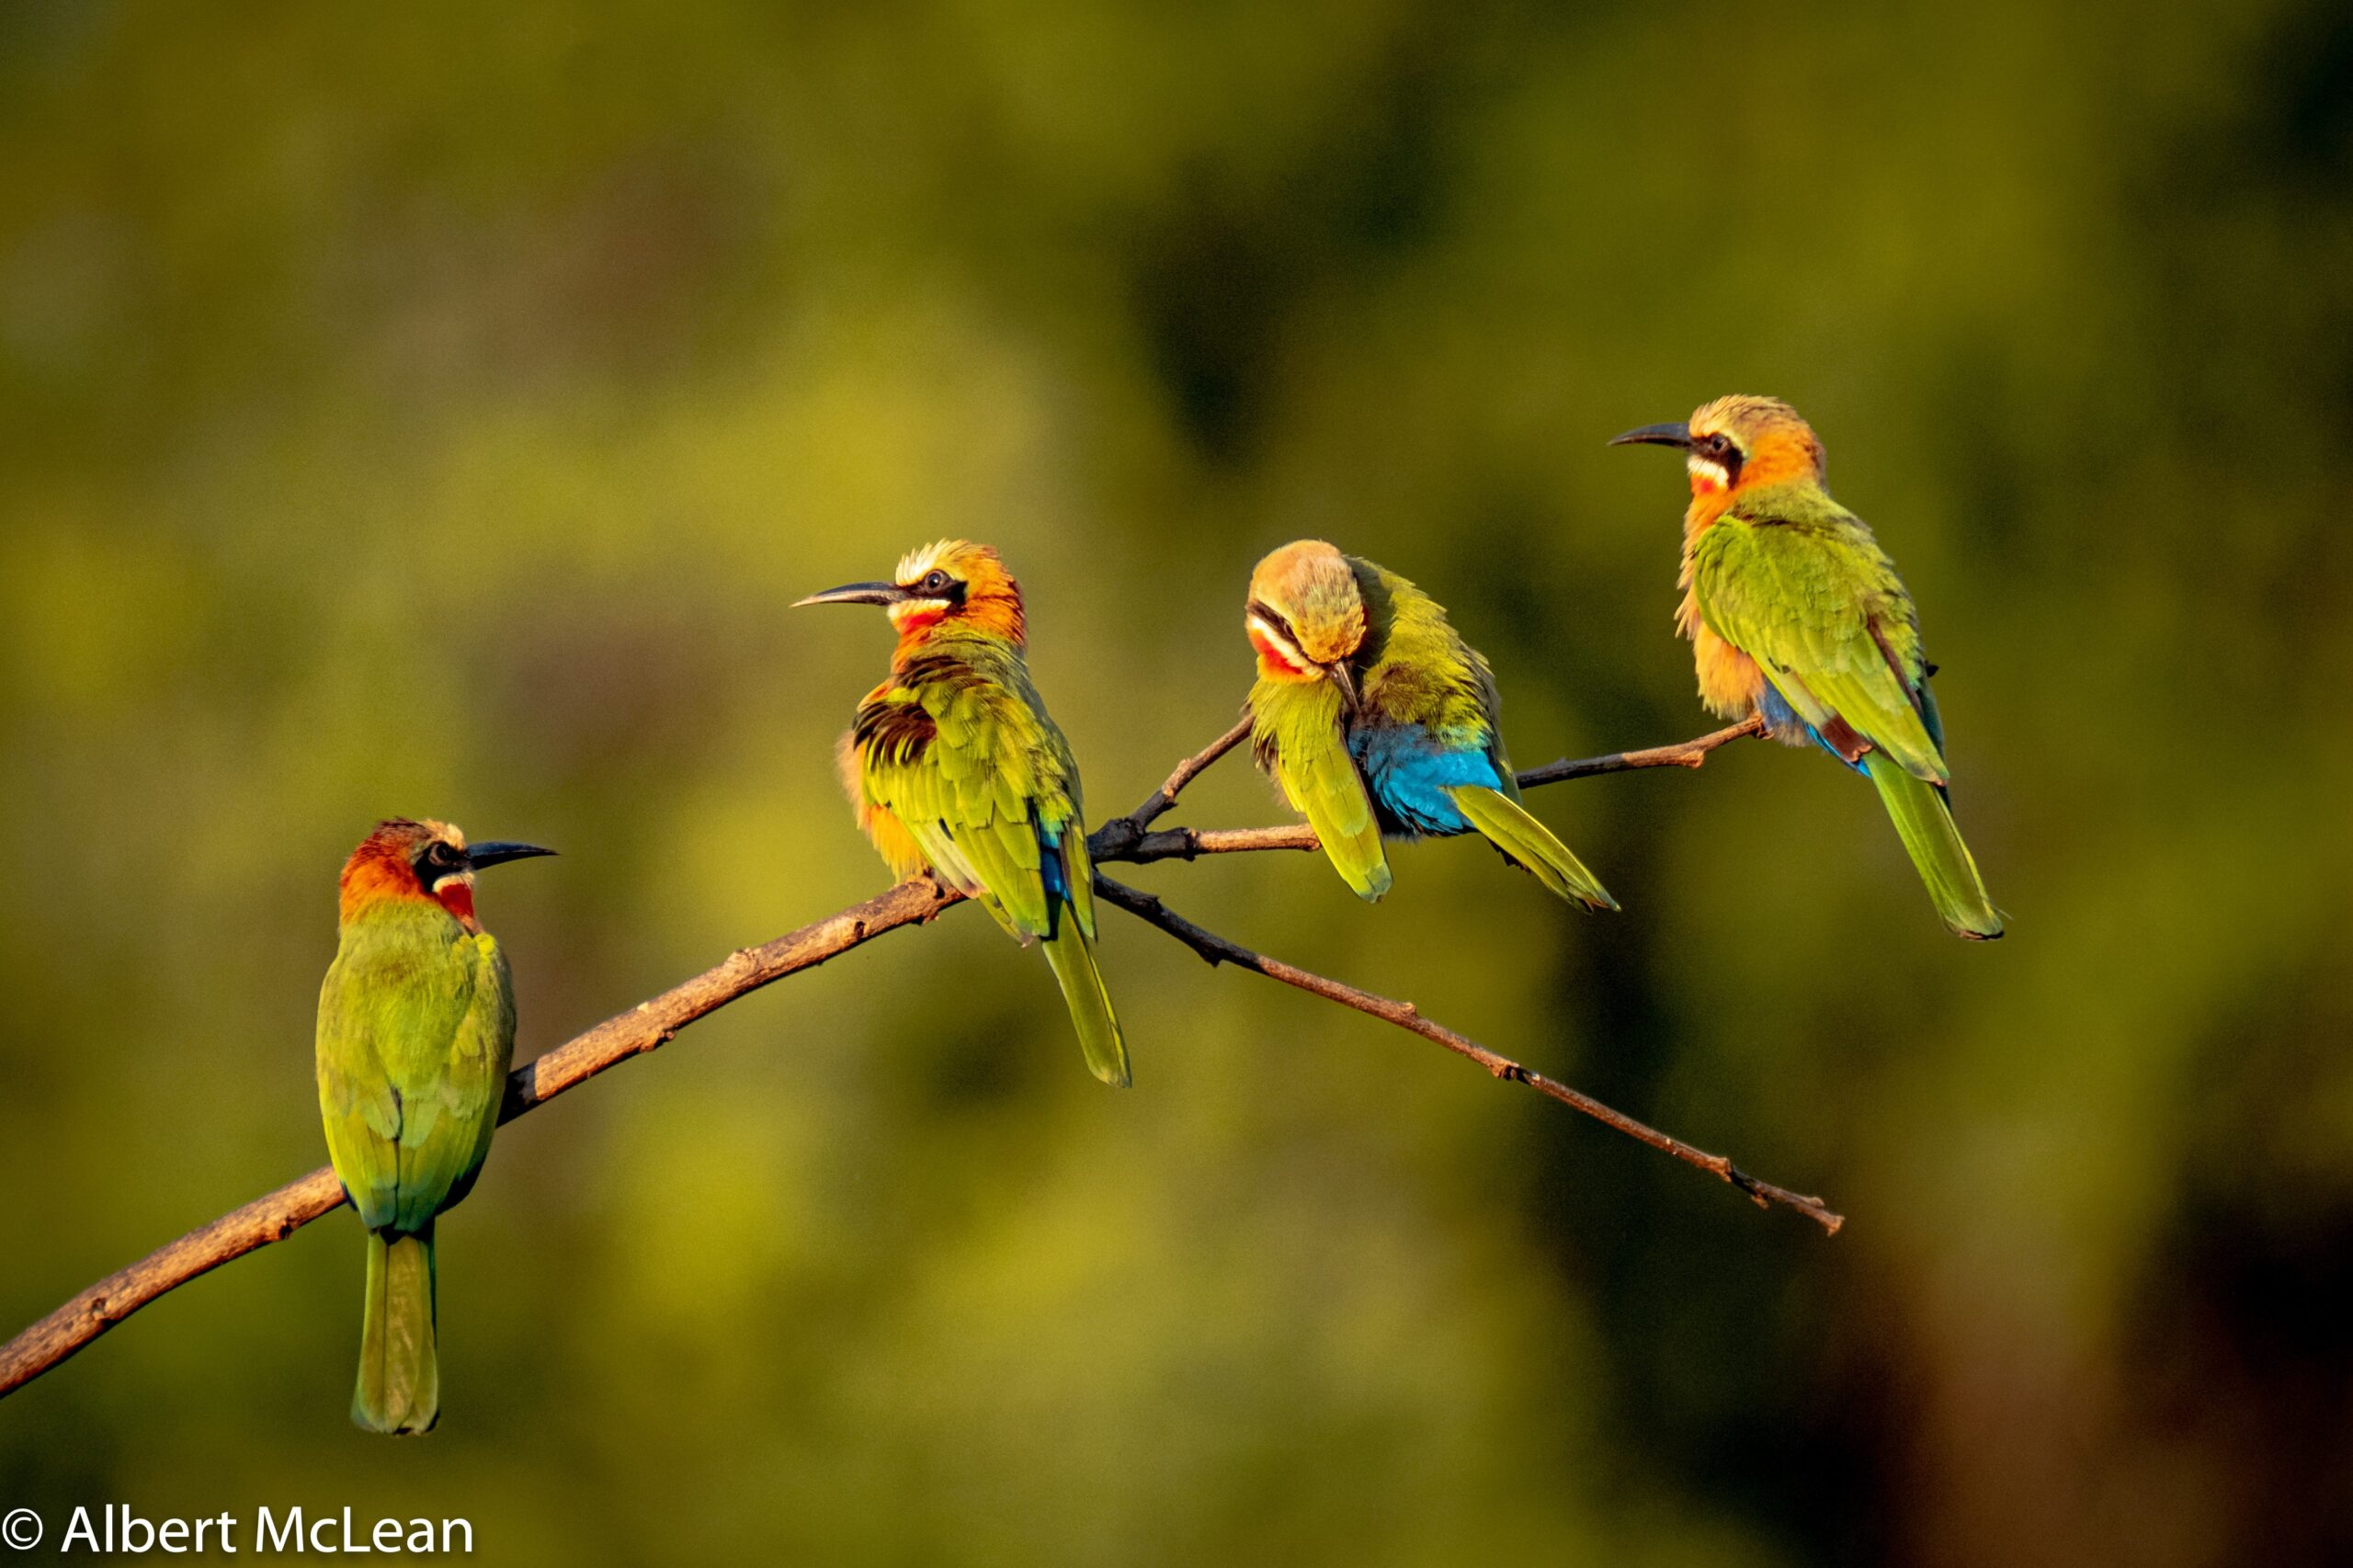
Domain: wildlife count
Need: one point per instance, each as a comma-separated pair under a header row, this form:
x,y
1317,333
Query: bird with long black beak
x,y
416,1032
1795,613
954,767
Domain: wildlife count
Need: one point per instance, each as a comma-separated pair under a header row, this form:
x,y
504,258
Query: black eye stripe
x,y
1721,449
1266,612
939,584
438,860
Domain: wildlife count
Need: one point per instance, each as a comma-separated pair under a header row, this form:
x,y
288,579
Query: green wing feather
x,y
416,1032
1425,674
1296,733
1424,671
416,1029
1797,583
991,795
482,1055
1807,591
994,786
1078,863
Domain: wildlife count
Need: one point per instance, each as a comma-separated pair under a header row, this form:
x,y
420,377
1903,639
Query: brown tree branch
x,y
1215,949
1683,754
646,1027
652,1024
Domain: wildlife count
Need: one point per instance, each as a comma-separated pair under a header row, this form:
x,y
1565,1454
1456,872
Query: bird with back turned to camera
x,y
953,767
416,1029
1377,718
1796,614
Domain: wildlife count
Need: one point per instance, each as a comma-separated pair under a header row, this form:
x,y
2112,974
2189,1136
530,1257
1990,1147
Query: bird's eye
x,y
935,582
1720,450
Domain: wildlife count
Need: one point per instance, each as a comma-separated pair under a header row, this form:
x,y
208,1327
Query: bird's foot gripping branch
x,y
1131,839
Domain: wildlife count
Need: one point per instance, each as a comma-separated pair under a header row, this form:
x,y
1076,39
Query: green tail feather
x,y
1532,844
1925,822
399,1376
1073,957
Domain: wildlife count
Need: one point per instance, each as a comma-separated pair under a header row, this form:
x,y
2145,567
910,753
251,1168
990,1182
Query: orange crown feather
x,y
1776,446
385,867
990,602
1305,611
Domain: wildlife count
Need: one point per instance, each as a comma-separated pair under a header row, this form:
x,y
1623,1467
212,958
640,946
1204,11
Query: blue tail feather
x,y
1782,720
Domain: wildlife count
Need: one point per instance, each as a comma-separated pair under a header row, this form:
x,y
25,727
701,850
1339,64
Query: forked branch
x,y
1188,844
655,1023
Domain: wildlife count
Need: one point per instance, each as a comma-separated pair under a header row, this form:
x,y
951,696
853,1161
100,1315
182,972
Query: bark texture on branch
x,y
1216,950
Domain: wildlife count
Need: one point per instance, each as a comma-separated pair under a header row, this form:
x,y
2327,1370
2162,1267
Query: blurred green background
x,y
433,410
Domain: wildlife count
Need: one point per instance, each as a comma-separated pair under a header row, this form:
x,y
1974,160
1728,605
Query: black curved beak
x,y
480,854
856,594
1345,682
1677,433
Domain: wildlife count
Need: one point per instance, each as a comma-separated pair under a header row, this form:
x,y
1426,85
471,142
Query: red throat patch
x,y
913,623
384,867
1275,658
457,895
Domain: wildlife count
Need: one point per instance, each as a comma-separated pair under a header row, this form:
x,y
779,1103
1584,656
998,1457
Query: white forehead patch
x,y
448,832
916,562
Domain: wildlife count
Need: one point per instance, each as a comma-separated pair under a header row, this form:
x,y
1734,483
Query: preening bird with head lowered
x,y
1378,721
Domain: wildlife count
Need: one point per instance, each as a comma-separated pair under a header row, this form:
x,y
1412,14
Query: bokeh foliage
x,y
432,410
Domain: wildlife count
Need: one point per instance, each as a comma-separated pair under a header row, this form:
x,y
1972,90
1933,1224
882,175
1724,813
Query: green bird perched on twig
x,y
417,1028
954,767
1796,614
1378,720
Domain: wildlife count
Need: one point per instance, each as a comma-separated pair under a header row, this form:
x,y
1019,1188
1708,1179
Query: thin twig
x,y
1685,754
652,1024
1217,949
1191,843
1164,800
